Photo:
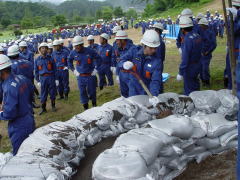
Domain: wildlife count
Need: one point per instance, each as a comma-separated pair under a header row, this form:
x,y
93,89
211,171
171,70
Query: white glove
x,y
180,51
154,101
76,73
117,79
179,77
65,68
127,65
94,73
57,82
234,12
39,84
113,69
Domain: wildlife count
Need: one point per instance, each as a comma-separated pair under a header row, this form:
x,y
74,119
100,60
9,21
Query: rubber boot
x,y
53,106
66,96
36,106
85,106
61,97
43,109
94,104
225,82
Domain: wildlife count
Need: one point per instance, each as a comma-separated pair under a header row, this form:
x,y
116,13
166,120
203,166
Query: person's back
x,y
23,67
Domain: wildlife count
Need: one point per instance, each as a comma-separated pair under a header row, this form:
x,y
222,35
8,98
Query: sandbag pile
x,y
163,150
54,151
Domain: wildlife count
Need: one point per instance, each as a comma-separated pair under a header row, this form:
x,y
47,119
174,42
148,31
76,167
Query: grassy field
x,y
67,109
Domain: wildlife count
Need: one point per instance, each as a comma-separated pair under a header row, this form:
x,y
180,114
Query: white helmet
x,y
22,44
200,16
43,45
151,39
187,12
185,22
105,36
69,39
121,35
158,26
13,50
90,37
1,49
77,40
49,40
236,3
203,21
50,45
56,42
5,62
116,29
61,41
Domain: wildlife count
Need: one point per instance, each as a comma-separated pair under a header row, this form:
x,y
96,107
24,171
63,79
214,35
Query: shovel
x,y
164,110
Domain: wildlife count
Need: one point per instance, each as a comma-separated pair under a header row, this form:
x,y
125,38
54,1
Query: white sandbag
x,y
100,116
186,105
229,103
231,145
114,164
217,125
195,151
199,128
142,117
140,100
174,125
207,101
209,143
178,163
94,136
32,167
57,141
226,138
202,156
122,106
170,151
159,135
140,143
4,158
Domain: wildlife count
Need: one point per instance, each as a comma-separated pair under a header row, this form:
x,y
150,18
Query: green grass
x,y
8,34
66,110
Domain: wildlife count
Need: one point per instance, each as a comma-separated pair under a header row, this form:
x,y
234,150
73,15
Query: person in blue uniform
x,y
25,53
142,61
105,52
45,75
17,104
190,66
87,61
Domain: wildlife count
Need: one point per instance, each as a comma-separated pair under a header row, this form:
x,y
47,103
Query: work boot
x,y
94,104
225,82
101,88
43,109
66,96
53,106
85,106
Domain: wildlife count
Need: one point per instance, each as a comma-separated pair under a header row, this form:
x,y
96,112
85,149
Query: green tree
x,y
5,21
26,23
131,13
107,13
59,20
118,12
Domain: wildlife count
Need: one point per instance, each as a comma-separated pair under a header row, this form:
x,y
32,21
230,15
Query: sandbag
x,y
173,126
229,103
209,143
202,156
57,141
4,158
140,143
226,138
115,164
32,167
207,101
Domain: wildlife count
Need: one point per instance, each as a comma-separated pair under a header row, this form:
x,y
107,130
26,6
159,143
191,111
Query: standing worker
x,y
25,53
190,66
17,104
209,45
85,71
105,52
45,75
60,57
